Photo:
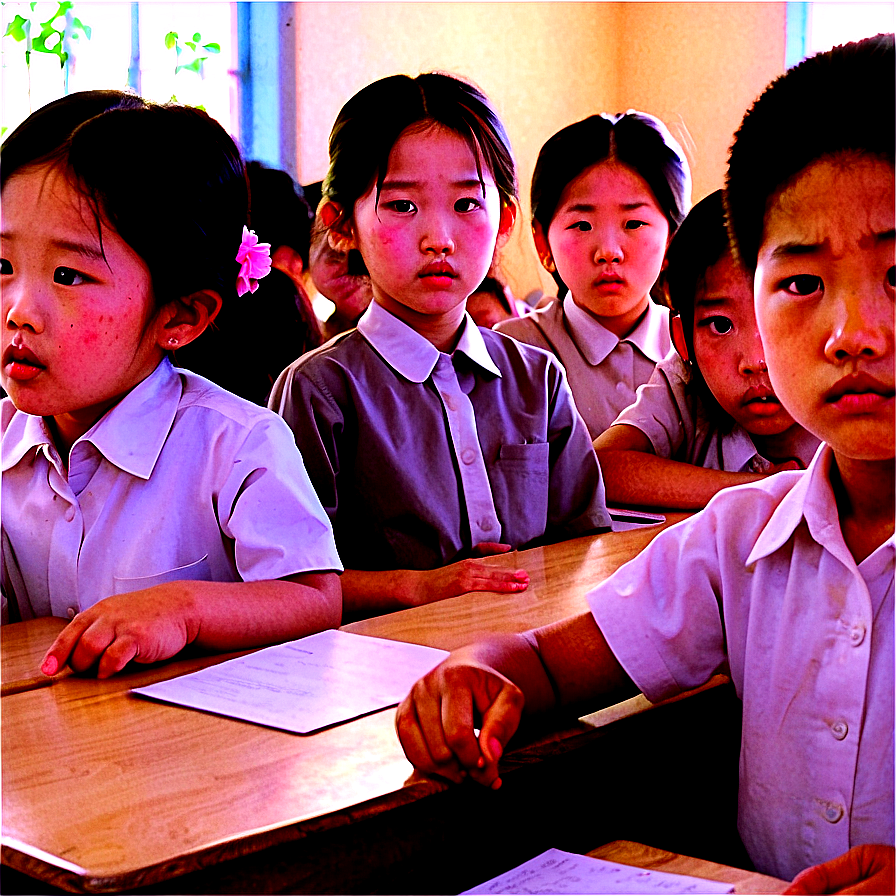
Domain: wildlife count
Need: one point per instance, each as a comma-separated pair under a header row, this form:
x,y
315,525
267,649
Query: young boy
x,y
786,583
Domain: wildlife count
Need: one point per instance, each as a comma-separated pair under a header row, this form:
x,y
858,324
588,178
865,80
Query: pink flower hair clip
x,y
255,262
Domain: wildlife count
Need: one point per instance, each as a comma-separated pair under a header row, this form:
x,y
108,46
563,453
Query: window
x,y
150,47
813,27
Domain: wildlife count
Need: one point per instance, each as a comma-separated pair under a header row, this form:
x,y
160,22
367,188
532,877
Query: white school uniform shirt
x,y
762,586
678,429
179,480
603,370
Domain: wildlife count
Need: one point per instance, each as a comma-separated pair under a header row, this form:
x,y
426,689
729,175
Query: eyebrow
x,y
470,183
588,207
92,252
795,248
712,302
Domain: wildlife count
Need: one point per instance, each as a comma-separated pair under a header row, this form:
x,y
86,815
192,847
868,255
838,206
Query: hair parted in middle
x,y
635,139
370,123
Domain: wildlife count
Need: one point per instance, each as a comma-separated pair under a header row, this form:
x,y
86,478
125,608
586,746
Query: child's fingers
x,y
61,649
116,656
415,741
489,548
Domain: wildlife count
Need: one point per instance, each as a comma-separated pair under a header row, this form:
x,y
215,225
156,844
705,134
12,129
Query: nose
x,y
437,236
608,248
752,358
862,327
20,307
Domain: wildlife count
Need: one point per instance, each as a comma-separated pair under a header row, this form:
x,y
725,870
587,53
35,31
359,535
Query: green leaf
x,y
212,48
197,37
194,66
190,44
170,39
18,28
78,25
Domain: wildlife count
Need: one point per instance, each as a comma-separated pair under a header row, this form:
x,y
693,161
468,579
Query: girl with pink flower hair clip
x,y
137,496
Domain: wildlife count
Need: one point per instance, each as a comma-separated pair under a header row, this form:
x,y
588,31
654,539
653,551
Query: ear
x,y
340,232
676,328
506,221
185,319
542,247
289,262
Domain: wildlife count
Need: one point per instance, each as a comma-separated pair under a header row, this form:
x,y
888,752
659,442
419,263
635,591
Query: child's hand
x,y
869,868
435,722
792,464
468,575
144,626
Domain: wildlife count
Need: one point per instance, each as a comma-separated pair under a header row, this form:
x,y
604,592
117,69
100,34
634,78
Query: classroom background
x,y
695,65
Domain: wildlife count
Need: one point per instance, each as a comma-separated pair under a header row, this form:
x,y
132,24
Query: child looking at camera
x,y
148,505
708,417
785,583
431,442
607,195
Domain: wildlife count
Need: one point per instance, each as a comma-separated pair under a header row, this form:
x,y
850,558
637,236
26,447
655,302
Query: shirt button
x,y
69,514
486,525
468,455
72,612
449,401
621,387
833,812
857,634
839,730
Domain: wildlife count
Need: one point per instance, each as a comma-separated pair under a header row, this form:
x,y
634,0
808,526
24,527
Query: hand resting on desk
x,y
156,623
870,868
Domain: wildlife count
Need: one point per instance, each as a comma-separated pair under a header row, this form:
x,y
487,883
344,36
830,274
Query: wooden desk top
x,y
628,853
103,790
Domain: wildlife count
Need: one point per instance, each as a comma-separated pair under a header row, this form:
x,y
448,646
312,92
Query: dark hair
x,y
635,139
834,102
279,212
699,243
167,178
370,123
493,286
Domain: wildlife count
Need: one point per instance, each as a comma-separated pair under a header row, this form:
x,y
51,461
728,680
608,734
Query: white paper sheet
x,y
561,873
304,685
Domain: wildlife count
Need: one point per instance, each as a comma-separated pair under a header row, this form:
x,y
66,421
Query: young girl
x,y
144,503
708,417
787,583
428,440
607,194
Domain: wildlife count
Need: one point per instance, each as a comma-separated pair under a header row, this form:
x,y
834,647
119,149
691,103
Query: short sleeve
x,y
269,507
660,408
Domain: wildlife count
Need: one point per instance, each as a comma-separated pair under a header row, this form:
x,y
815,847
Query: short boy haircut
x,y
834,102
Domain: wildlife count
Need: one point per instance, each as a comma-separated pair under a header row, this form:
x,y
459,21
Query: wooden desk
x,y
103,791
628,853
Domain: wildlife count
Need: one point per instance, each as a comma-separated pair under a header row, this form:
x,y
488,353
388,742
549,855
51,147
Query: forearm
x,y
373,592
635,477
234,615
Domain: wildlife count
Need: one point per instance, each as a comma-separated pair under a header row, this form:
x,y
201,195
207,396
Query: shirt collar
x,y
130,435
811,499
412,355
738,450
596,341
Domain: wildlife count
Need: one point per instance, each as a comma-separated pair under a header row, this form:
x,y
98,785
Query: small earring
x,y
172,341
548,264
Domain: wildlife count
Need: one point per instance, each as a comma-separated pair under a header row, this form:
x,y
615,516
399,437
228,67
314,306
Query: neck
x,y
442,329
619,325
864,494
781,446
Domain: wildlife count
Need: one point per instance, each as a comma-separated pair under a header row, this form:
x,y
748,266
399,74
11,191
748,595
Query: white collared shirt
x,y
179,480
604,371
762,585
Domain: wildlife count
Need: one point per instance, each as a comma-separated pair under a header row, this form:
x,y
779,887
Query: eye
x,y
635,225
718,324
402,206
581,226
467,204
68,277
802,285
5,266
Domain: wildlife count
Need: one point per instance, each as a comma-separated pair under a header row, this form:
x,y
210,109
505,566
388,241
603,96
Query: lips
x,y
438,269
759,395
860,393
21,364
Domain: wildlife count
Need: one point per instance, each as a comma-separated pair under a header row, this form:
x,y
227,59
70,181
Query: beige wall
x,y
544,65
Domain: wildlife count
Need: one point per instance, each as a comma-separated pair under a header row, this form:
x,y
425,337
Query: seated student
x,y
491,303
708,417
145,503
786,583
281,217
431,442
607,194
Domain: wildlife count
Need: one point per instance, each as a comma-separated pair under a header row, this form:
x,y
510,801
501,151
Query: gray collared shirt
x,y
418,456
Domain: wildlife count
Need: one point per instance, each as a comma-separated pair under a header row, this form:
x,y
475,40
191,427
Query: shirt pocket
x,y
520,480
197,571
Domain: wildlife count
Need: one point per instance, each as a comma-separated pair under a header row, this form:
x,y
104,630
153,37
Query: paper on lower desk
x,y
560,873
304,685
